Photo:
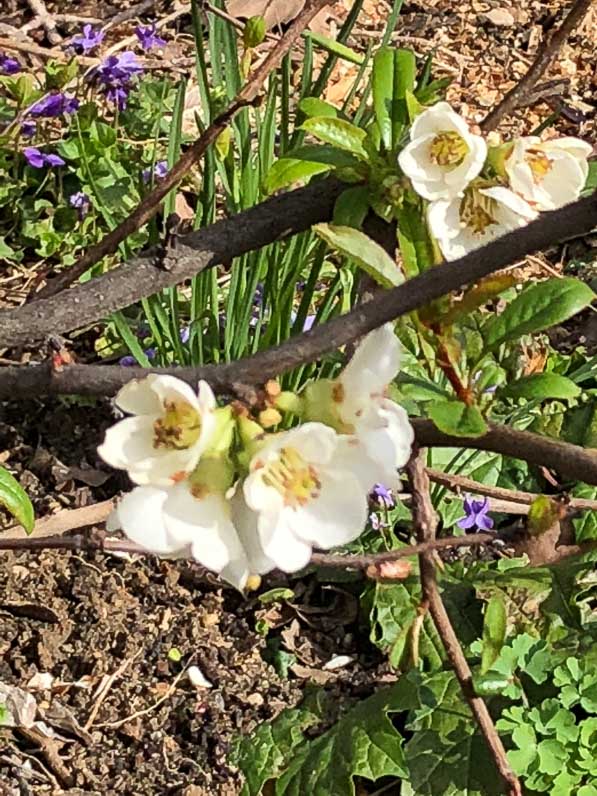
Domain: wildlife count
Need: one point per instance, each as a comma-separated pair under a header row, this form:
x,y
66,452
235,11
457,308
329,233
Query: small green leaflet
x,y
541,387
368,254
494,632
457,419
538,307
14,498
339,133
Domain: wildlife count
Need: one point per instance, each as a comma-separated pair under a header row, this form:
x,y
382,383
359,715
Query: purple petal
x,y
484,522
466,522
128,361
33,157
53,160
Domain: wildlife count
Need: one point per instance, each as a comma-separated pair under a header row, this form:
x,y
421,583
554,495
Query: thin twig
x,y
425,522
150,204
545,55
63,522
47,20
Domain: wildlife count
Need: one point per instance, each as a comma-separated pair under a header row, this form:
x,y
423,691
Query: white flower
x,y
170,429
380,425
443,155
551,174
302,488
176,522
466,223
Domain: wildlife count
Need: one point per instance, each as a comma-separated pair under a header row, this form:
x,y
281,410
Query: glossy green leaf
x,y
541,387
494,632
414,241
313,106
351,207
287,171
491,684
458,419
368,254
15,500
394,72
339,133
538,307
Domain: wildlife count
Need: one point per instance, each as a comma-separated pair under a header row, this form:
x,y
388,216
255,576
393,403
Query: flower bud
x,y
254,32
269,417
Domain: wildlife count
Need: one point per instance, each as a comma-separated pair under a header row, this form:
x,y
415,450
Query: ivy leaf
x,y
494,632
541,387
362,743
14,498
368,254
457,419
339,133
538,307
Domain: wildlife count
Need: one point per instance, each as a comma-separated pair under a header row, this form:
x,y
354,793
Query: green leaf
x,y
324,153
6,252
335,47
254,31
458,419
288,171
351,207
313,106
541,387
591,183
338,133
14,498
494,632
276,595
368,254
414,241
362,743
394,72
538,307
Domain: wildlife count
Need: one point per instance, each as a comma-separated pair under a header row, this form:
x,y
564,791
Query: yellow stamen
x,y
539,164
477,211
178,428
448,149
294,478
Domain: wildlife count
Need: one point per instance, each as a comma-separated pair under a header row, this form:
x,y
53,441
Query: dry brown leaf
x,y
275,12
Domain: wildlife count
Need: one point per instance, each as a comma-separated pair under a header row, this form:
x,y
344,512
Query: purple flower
x,y
159,172
185,334
81,202
383,496
308,324
129,361
38,159
475,512
54,105
115,75
148,39
28,129
8,65
88,40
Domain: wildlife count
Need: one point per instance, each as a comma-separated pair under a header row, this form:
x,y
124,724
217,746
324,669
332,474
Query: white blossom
x,y
170,428
305,494
443,156
463,224
181,521
548,174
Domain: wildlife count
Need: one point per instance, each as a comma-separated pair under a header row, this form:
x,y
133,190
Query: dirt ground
x,y
102,643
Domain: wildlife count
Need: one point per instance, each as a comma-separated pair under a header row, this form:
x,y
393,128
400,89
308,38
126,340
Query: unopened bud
x,y
253,583
272,388
254,32
269,417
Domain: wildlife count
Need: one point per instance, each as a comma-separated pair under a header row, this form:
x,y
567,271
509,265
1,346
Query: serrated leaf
x,y
362,743
538,307
287,171
368,254
541,387
16,501
494,632
339,133
457,419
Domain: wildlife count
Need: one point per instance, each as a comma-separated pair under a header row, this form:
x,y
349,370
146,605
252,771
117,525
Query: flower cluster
x,y
115,76
477,192
148,38
214,484
88,40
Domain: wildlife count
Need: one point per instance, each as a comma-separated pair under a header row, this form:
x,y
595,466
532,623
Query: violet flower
x,y
129,361
38,159
115,75
159,172
28,128
8,65
476,516
54,105
88,40
148,38
185,334
81,202
383,496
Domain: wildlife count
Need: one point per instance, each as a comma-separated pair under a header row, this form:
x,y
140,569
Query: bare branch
x,y
149,206
425,522
519,95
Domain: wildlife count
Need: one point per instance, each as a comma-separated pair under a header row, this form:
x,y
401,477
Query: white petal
x,y
415,162
245,522
141,518
279,542
138,398
128,441
511,200
437,119
171,389
337,517
378,354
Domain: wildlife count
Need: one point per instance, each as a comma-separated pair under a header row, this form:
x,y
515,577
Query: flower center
x,y
294,478
477,211
448,149
539,164
178,428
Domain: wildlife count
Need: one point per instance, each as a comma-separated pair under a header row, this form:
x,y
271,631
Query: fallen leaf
x,y
18,707
500,17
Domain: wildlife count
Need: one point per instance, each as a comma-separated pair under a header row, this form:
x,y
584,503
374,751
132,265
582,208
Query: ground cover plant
x,y
354,510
